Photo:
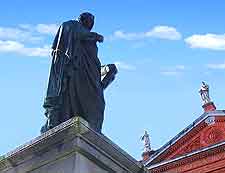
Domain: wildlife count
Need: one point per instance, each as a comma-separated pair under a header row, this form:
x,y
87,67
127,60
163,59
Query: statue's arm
x,y
91,36
82,34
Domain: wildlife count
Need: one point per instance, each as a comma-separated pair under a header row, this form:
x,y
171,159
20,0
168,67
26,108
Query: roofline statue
x,y
204,93
146,140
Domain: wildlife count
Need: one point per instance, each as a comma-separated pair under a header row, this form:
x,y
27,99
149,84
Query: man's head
x,y
87,20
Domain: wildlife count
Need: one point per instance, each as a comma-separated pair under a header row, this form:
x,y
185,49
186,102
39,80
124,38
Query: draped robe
x,y
74,86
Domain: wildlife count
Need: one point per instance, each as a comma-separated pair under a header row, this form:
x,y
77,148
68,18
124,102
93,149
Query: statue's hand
x,y
100,38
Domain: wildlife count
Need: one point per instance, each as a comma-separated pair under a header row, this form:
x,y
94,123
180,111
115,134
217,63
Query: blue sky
x,y
163,49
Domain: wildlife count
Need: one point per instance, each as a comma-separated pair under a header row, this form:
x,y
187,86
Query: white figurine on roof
x,y
204,93
146,139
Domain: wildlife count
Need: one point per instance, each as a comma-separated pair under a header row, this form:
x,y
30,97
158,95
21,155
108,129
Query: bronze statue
x,y
75,87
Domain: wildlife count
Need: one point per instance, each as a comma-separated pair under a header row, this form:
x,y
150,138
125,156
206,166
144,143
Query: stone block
x,y
71,147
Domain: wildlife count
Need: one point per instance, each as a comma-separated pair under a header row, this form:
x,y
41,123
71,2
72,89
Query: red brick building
x,y
199,148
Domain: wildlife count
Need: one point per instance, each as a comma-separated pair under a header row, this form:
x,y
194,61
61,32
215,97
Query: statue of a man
x,y
75,87
146,139
204,93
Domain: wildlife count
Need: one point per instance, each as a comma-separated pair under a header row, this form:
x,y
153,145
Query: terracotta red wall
x,y
211,162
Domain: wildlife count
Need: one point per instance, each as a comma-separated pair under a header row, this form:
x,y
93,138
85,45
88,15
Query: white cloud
x,y
170,73
161,32
47,28
173,71
137,45
164,32
207,41
124,66
50,29
7,33
27,32
27,27
127,36
179,67
216,66
25,39
19,48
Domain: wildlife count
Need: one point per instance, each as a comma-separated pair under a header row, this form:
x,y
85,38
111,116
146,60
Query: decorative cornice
x,y
188,158
203,117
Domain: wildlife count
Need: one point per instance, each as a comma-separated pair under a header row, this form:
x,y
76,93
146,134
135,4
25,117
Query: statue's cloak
x,y
74,85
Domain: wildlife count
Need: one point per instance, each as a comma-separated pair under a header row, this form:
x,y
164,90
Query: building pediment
x,y
207,130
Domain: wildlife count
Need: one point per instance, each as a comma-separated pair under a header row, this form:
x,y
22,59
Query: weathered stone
x,y
70,147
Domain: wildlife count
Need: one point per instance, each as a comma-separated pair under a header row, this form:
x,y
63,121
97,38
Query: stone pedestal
x,y
146,155
71,147
208,107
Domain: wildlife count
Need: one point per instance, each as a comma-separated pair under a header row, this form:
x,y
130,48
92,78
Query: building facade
x,y
199,148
